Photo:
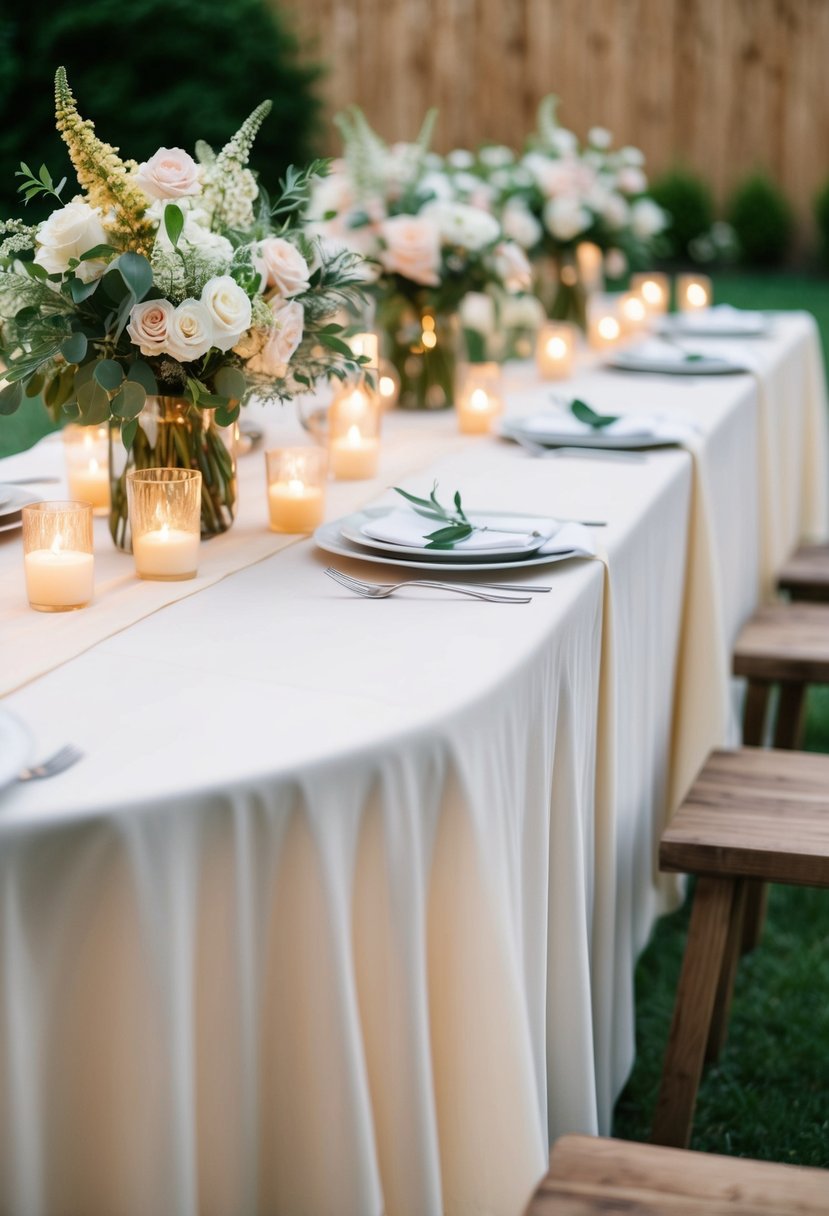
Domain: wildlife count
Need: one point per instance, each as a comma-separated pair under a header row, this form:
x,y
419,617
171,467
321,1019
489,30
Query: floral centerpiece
x,y
560,194
161,295
428,249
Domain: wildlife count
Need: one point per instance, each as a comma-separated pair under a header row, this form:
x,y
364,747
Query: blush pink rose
x,y
412,249
170,173
149,325
286,268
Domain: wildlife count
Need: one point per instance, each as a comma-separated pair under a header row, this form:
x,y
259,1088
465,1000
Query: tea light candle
x,y
166,553
633,312
87,461
165,518
479,399
603,326
693,292
354,433
655,290
296,498
57,555
590,261
554,350
388,385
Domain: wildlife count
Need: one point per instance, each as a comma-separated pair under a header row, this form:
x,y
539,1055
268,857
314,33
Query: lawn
x,y
769,1095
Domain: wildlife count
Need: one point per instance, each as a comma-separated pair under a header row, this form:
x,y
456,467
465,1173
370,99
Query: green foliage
x,y
762,220
690,205
822,219
153,72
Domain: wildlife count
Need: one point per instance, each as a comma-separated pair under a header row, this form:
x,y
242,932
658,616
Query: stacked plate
x,y
720,322
630,432
12,501
667,359
502,541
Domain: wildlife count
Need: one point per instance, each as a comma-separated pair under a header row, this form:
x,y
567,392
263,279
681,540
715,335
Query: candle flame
x,y
429,339
556,348
386,386
93,465
697,295
634,309
296,487
609,328
353,437
165,531
478,399
57,543
651,292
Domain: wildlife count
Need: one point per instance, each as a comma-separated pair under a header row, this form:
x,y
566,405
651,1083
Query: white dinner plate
x,y
330,538
16,747
354,533
597,439
630,361
13,498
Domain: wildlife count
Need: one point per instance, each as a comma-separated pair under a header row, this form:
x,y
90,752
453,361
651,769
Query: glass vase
x,y
422,346
175,434
560,288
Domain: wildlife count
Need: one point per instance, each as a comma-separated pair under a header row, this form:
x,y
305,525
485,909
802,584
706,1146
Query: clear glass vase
x,y
174,434
422,346
560,288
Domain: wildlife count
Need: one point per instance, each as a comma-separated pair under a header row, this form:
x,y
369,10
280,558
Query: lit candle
x,y
296,497
479,399
554,350
57,555
367,345
590,261
388,385
603,327
87,464
354,456
354,433
633,312
655,290
693,292
166,553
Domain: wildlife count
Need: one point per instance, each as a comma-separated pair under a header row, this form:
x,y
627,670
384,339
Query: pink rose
x,y
285,337
170,173
286,268
149,324
412,249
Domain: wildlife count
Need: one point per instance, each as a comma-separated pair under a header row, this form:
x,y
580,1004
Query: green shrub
x,y
762,220
689,203
822,219
150,73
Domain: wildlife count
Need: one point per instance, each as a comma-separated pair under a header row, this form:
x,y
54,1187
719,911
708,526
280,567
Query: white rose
x,y
229,308
522,312
190,331
66,234
285,337
436,184
565,218
170,173
632,156
286,268
412,248
478,312
460,159
631,180
496,155
512,267
460,224
615,211
646,218
195,235
520,225
149,324
599,137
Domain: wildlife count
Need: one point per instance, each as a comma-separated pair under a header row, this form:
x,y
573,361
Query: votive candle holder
x,y
296,488
654,287
87,465
354,432
165,521
57,555
479,399
693,292
555,348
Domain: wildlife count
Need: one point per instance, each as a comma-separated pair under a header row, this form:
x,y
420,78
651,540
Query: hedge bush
x,y
690,205
151,73
762,220
822,220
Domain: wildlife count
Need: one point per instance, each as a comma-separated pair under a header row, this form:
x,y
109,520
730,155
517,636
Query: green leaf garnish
x,y
584,413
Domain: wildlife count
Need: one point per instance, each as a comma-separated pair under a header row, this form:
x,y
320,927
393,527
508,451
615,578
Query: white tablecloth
x,y
340,913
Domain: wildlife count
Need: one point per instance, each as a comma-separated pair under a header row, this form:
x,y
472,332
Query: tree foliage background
x,y
150,73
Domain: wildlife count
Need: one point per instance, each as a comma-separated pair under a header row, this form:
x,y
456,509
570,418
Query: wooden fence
x,y
723,86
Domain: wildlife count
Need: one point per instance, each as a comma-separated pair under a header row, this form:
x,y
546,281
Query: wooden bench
x,y
751,814
806,574
589,1175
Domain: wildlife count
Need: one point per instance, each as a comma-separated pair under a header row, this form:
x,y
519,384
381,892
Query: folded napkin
x,y
403,527
723,316
550,427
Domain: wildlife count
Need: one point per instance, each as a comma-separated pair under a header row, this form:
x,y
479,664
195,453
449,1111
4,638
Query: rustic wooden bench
x,y
806,574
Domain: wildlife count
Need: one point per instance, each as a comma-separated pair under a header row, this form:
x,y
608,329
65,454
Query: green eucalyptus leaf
x,y
584,413
128,432
226,416
10,398
129,401
97,251
35,384
231,383
93,402
74,347
109,374
25,315
173,223
81,291
141,373
136,272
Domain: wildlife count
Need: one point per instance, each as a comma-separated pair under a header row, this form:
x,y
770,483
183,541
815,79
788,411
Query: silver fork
x,y
382,591
59,763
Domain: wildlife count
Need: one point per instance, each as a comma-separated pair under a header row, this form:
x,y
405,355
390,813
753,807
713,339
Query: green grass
x,y
768,1097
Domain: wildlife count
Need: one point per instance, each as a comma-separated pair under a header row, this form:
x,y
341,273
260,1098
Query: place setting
x,y
573,423
667,357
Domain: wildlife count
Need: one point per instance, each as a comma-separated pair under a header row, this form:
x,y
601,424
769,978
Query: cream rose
x,y
148,325
520,224
285,337
170,173
412,249
286,268
190,331
566,218
67,233
229,308
512,266
462,225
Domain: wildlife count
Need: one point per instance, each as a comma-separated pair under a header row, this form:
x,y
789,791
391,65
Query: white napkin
x,y
405,527
723,316
549,427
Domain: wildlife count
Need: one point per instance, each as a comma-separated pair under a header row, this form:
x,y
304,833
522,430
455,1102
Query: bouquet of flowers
x,y
176,281
561,193
426,246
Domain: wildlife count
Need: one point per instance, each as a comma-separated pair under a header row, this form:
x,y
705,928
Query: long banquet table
x,y
340,912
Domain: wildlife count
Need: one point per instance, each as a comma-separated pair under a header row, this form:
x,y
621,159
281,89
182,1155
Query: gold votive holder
x,y
57,555
296,488
87,465
693,292
604,327
478,399
354,432
165,521
633,312
590,261
655,289
555,348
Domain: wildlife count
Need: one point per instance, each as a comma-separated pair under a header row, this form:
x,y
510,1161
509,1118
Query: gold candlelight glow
x,y
165,521
479,400
555,348
590,261
296,488
633,312
694,292
57,555
87,465
354,433
604,328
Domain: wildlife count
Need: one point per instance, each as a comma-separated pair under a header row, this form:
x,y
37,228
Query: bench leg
x,y
718,1031
702,969
754,712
